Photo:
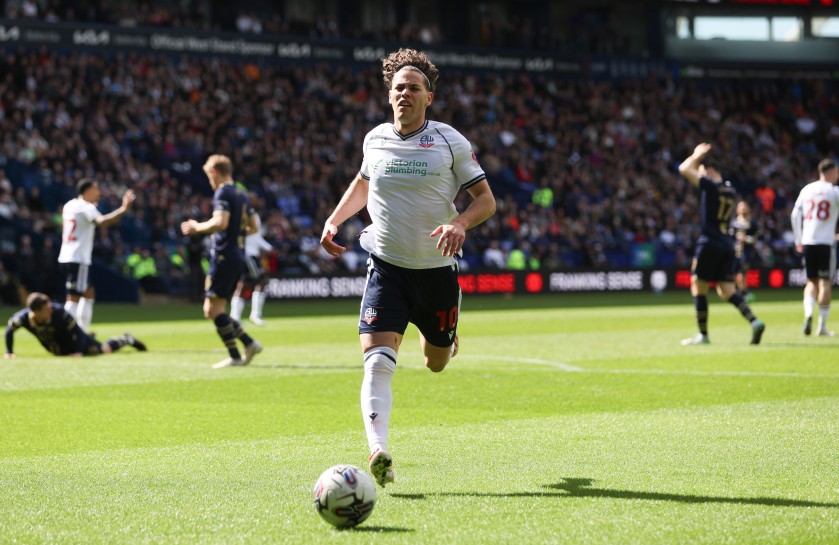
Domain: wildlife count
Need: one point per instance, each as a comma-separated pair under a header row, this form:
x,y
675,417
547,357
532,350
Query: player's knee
x,y
436,365
380,360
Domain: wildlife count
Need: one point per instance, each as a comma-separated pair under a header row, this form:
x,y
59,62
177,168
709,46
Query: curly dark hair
x,y
398,60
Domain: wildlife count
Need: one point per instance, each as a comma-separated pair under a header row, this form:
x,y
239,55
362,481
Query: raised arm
x,y
690,166
112,217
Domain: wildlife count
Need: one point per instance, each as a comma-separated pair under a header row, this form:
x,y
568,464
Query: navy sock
x,y
226,330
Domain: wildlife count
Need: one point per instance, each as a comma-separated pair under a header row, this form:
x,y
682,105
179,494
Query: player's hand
x,y
799,248
451,239
327,240
701,149
128,199
189,227
9,356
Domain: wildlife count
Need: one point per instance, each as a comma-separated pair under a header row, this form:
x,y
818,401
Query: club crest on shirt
x,y
426,141
370,316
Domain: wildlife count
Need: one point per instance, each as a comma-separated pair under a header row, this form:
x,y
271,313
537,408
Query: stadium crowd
x,y
585,171
588,29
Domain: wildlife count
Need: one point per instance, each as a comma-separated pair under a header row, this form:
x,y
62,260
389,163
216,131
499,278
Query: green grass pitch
x,y
570,419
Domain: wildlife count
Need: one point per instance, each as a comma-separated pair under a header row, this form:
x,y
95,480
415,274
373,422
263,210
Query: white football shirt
x,y
414,179
78,231
255,242
815,213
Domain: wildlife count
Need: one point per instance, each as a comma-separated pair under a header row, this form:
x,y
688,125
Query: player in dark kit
x,y
231,221
714,259
58,331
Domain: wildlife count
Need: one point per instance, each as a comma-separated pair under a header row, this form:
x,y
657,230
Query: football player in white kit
x,y
412,171
255,275
814,217
79,220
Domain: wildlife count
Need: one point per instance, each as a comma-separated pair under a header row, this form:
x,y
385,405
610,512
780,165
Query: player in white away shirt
x,y
254,275
80,218
412,170
814,219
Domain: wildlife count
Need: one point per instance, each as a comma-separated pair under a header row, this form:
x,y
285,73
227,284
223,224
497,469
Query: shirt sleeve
x,y
221,204
465,164
365,168
796,219
90,213
15,323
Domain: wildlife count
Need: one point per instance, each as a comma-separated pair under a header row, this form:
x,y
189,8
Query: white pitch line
x,y
712,373
548,363
574,369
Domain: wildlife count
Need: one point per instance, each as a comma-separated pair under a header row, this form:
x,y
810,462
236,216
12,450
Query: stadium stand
x,y
584,169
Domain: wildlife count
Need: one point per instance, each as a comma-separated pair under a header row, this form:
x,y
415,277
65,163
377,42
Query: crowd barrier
x,y
535,282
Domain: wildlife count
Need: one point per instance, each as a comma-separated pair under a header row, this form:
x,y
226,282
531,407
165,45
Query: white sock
x,y
72,308
257,302
809,305
376,398
84,314
237,305
824,312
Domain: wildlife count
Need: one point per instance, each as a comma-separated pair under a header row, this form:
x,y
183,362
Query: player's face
x,y
409,98
213,176
743,209
93,193
43,315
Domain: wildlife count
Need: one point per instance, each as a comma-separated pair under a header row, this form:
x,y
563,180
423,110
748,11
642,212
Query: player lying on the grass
x,y
58,331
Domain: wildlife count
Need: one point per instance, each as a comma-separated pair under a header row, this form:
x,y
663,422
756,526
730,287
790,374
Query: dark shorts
x,y
91,347
714,260
222,277
88,346
820,260
394,296
77,278
253,269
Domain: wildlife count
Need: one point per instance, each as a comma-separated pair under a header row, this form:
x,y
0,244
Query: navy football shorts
x,y
222,277
714,260
428,298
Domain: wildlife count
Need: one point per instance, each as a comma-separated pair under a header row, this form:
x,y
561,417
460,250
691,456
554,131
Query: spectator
x,y
611,177
494,257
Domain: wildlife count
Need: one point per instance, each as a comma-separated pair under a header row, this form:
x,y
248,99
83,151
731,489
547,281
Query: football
x,y
344,496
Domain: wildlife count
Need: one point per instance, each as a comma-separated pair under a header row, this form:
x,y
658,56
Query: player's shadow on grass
x,y
582,488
